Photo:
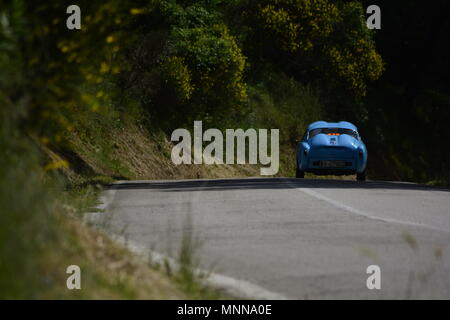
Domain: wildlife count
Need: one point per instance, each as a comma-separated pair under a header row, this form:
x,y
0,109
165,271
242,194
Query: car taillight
x,y
360,153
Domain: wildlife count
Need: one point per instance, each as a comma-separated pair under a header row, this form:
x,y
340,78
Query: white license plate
x,y
332,164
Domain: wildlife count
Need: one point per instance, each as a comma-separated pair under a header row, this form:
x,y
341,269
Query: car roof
x,y
324,124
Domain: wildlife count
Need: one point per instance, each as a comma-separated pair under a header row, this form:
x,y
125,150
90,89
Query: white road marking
x,y
347,208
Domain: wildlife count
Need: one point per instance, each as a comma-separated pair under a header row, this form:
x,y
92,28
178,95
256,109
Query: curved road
x,y
300,239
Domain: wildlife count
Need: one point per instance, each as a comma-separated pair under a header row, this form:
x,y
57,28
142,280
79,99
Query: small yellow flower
x,y
56,165
104,67
110,39
136,11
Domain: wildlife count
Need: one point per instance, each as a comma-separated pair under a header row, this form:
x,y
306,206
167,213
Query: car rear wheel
x,y
361,176
299,173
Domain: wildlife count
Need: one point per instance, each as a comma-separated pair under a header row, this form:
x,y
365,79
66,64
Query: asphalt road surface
x,y
300,239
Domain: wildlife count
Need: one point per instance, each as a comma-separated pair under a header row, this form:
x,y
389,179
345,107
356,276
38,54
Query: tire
x,y
361,176
299,173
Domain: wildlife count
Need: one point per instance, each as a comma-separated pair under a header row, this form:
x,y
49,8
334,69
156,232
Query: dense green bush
x,y
279,101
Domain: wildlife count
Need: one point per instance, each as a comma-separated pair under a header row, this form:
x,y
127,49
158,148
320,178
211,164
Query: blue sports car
x,y
332,148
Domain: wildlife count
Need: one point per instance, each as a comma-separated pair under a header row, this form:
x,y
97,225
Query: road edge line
x,y
350,209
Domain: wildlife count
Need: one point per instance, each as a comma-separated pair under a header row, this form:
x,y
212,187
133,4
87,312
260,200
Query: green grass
x,y
187,276
25,226
439,183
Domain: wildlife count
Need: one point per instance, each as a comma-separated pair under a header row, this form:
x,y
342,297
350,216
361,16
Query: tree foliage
x,y
315,39
192,62
172,62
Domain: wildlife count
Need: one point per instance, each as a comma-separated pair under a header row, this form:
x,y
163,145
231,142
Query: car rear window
x,y
333,132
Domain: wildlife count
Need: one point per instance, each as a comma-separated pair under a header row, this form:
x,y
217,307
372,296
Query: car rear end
x,y
336,160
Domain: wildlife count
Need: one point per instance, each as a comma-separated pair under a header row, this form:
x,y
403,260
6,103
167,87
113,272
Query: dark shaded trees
x,y
409,106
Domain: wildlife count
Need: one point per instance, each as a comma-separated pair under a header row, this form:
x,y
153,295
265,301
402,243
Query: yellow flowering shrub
x,y
210,66
178,75
326,39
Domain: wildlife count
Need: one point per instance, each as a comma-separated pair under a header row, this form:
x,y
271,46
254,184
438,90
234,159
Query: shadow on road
x,y
268,183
